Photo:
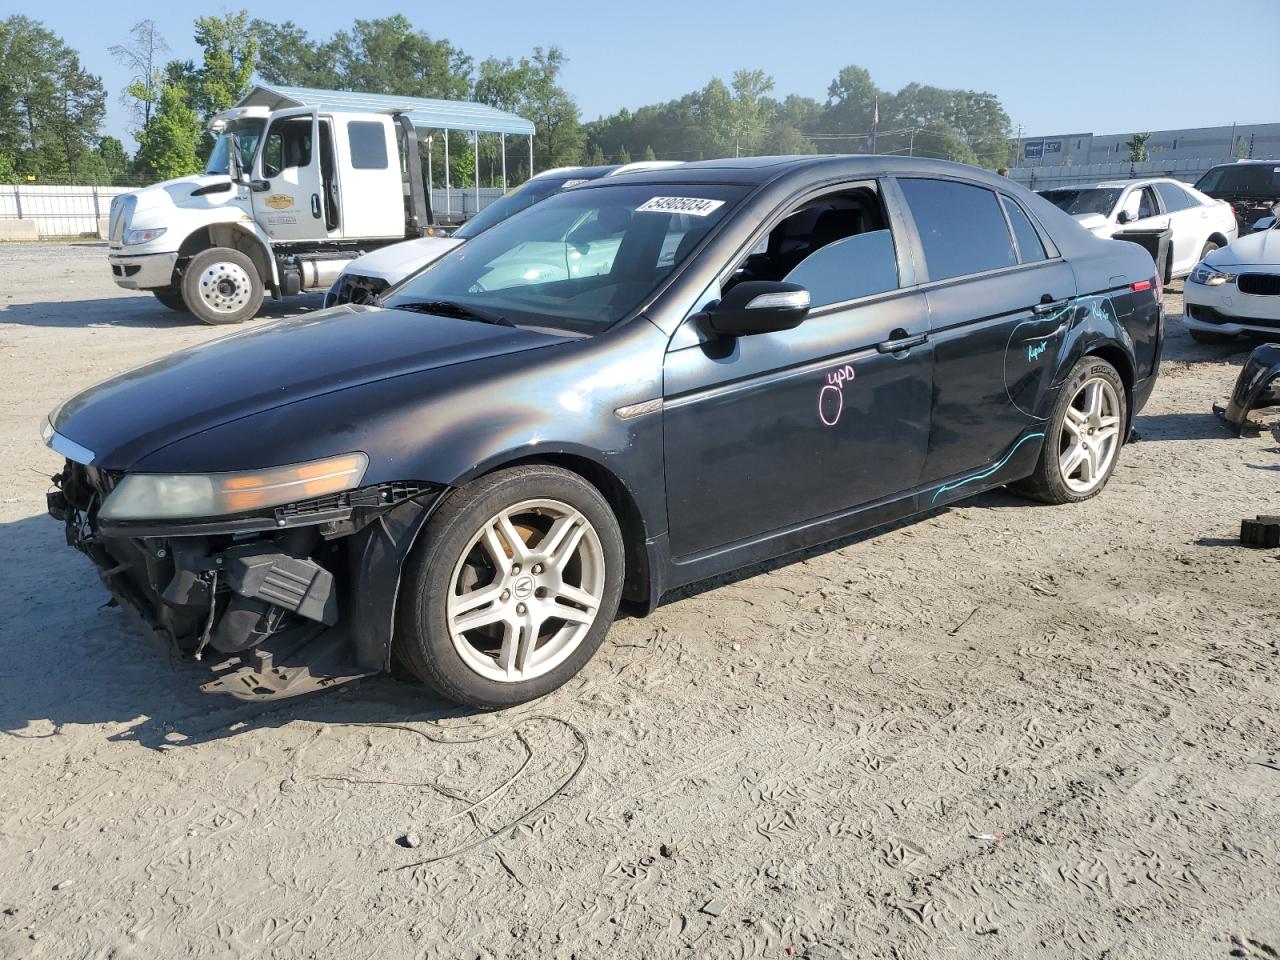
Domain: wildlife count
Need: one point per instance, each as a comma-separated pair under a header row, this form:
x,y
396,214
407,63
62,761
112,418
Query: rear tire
x,y
221,285
1208,338
478,619
171,297
1083,436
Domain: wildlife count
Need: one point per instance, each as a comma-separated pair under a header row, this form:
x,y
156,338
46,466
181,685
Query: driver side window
x,y
288,145
838,247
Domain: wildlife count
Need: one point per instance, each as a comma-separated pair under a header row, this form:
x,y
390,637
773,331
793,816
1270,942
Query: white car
x,y
1199,223
1236,290
366,277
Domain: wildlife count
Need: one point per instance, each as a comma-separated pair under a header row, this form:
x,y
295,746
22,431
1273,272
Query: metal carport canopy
x,y
421,111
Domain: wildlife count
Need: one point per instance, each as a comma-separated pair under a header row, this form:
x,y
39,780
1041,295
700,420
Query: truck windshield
x,y
1242,180
513,202
1078,200
249,133
579,261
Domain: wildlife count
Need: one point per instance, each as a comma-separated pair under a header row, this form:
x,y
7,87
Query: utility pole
x,y
911,144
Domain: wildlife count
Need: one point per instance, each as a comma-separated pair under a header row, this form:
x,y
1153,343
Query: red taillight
x,y
1140,285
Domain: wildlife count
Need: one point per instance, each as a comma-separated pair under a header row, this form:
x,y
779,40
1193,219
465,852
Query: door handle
x,y
901,340
315,205
1047,305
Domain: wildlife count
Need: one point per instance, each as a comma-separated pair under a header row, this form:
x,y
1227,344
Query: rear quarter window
x,y
961,227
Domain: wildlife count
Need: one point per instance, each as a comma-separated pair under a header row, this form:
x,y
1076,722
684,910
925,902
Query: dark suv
x,y
1252,187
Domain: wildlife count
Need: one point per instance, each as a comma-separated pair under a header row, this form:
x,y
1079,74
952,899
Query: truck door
x,y
369,170
288,191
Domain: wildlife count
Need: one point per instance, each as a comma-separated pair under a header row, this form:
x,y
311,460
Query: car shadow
x,y
68,656
1160,427
142,311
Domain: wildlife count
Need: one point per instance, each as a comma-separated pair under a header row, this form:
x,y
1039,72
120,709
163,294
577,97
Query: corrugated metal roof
x,y
423,112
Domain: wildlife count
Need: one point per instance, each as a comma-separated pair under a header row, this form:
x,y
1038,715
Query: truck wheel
x,y
171,297
222,285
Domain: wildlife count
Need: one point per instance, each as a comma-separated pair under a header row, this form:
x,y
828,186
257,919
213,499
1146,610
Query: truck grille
x,y
1260,284
120,214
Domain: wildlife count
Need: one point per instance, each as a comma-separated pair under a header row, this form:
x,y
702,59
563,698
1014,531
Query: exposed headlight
x,y
1211,276
143,236
173,496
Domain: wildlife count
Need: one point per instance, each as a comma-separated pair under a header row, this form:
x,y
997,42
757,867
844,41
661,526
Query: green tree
x,y
649,154
167,145
115,161
595,158
1137,146
558,135
230,52
624,155
287,55
750,112
50,107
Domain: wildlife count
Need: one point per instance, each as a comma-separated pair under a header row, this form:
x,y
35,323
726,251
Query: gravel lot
x,y
794,763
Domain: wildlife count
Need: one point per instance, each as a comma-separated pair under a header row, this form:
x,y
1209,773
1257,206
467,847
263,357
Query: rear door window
x,y
961,226
1174,197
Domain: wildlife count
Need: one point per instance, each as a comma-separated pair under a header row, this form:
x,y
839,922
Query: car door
x,y
288,187
999,302
1190,223
765,432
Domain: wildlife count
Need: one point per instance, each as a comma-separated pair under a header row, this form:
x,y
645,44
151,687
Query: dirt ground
x,y
795,762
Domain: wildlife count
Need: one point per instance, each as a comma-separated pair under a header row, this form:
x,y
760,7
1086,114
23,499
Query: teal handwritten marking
x,y
986,473
1034,350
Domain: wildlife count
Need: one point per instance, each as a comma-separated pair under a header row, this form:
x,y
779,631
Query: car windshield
x,y
513,202
1079,200
579,261
1242,179
248,132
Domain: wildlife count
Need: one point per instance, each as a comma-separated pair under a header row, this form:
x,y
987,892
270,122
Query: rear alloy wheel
x,y
221,285
512,588
1083,436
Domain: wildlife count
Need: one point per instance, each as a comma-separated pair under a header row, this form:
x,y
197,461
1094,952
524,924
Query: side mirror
x,y
759,306
1126,216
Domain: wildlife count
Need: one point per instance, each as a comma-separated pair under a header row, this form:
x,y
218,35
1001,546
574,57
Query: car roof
x,y
757,171
1116,184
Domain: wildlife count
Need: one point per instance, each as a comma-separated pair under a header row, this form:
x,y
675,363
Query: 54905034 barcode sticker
x,y
692,206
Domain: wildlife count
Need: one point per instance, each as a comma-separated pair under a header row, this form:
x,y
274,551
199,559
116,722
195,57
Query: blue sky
x,y
1103,67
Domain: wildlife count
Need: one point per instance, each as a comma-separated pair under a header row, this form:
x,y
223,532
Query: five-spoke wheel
x,y
514,583
1083,435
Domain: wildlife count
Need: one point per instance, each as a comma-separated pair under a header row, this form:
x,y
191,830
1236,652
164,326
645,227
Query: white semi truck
x,y
299,183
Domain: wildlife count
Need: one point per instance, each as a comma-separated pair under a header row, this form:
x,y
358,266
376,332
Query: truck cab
x,y
289,196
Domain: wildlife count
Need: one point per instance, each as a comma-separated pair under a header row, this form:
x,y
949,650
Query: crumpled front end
x,y
267,597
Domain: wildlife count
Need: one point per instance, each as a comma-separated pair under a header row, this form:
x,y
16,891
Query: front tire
x,y
1082,438
512,587
221,285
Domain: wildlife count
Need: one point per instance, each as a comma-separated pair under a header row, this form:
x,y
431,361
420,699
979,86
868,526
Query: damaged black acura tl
x,y
634,385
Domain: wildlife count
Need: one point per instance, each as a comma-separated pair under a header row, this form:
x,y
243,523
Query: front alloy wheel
x,y
513,584
526,591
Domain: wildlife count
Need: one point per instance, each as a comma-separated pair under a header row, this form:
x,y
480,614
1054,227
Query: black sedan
x,y
631,386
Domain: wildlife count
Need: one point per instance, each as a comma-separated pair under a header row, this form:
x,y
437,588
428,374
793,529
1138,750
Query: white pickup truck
x,y
298,184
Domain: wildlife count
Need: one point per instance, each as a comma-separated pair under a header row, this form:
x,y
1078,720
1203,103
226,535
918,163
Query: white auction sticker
x,y
693,206
572,183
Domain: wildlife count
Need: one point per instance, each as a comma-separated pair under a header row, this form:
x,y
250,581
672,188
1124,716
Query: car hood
x,y
1252,250
397,261
137,413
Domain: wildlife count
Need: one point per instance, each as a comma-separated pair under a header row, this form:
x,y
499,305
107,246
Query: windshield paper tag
x,y
692,206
